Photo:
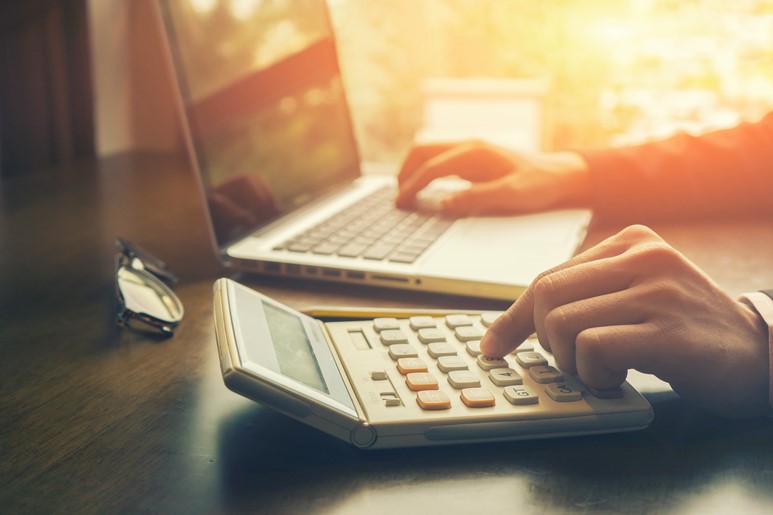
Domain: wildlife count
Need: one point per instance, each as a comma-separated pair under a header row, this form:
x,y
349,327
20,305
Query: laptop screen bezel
x,y
196,158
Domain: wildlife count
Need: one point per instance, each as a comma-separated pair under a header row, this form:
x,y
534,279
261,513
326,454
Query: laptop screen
x,y
263,104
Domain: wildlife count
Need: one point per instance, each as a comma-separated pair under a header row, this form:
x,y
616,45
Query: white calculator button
x,y
473,348
463,379
454,321
392,336
526,346
468,333
390,399
382,324
422,322
505,377
439,349
402,350
530,359
487,363
449,363
546,374
488,317
430,335
433,399
561,392
520,395
477,398
421,381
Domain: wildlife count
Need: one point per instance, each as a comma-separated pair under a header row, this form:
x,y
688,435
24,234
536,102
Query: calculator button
x,y
433,399
530,359
402,350
431,335
418,381
463,379
392,336
561,392
520,395
449,363
546,374
473,348
390,399
505,377
409,365
422,322
526,346
378,375
610,393
382,324
438,349
488,317
454,321
468,333
487,363
477,397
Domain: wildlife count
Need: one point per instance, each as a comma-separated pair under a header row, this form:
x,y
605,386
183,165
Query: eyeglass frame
x,y
152,269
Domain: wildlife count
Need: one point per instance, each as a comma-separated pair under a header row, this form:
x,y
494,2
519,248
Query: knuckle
x,y
558,320
656,254
589,342
544,285
638,232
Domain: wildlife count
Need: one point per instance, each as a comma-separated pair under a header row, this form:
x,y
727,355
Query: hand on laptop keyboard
x,y
504,182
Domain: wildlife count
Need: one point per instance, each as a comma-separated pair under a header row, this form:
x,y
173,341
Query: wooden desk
x,y
97,420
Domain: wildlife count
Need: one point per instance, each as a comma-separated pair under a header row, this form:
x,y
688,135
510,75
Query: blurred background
x,y
545,75
534,75
572,73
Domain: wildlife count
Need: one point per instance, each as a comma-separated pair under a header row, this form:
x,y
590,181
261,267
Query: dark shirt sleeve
x,y
727,172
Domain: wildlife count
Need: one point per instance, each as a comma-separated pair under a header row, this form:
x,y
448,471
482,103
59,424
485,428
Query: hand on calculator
x,y
634,302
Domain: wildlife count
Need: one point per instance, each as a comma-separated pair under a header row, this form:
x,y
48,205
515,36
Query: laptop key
x,y
378,251
325,248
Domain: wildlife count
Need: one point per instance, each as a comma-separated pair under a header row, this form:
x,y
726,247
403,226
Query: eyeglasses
x,y
142,286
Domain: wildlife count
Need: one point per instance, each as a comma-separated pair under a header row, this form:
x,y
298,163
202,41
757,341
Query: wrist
x,y
761,305
576,176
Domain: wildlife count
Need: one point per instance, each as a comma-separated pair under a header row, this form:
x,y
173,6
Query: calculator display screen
x,y
287,349
293,350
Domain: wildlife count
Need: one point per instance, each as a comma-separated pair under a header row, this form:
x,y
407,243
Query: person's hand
x,y
633,302
503,181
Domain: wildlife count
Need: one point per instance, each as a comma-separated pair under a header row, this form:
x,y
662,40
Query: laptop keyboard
x,y
372,228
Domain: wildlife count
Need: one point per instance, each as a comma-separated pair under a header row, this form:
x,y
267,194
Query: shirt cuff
x,y
762,303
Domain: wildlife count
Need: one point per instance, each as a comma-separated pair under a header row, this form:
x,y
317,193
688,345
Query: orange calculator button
x,y
418,381
477,397
410,365
433,399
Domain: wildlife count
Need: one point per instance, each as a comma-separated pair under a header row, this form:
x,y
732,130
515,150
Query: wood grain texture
x,y
95,420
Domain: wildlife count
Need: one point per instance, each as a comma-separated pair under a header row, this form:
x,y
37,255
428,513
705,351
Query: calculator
x,y
389,382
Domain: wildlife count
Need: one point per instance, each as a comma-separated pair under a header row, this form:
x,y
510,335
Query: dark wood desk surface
x,y
97,420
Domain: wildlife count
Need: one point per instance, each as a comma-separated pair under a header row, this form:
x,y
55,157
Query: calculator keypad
x,y
435,364
479,380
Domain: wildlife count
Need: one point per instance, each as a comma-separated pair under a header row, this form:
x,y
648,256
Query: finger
x,y
605,354
417,156
565,322
509,330
468,161
560,293
483,198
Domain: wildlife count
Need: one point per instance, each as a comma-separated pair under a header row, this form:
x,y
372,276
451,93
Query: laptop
x,y
270,137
